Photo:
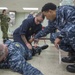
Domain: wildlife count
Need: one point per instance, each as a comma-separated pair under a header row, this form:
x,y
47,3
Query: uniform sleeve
x,y
69,17
24,27
52,28
48,29
67,14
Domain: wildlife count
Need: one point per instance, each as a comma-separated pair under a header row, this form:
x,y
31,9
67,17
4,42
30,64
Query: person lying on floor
x,y
12,56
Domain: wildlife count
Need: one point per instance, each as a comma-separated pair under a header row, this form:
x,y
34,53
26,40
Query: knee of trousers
x,y
65,48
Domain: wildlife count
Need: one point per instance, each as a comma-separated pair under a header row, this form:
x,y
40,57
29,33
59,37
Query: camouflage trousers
x,y
4,30
68,42
16,62
28,52
53,36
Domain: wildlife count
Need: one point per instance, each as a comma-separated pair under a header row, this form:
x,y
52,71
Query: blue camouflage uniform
x,y
65,23
27,28
16,60
53,34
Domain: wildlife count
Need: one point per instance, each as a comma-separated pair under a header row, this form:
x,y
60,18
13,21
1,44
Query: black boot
x,y
70,58
71,68
44,47
4,40
38,49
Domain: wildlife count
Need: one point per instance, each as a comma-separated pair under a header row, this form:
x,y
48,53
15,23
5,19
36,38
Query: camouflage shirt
x,y
65,20
4,19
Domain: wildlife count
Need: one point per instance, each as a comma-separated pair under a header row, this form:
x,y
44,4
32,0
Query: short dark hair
x,y
48,6
3,11
40,13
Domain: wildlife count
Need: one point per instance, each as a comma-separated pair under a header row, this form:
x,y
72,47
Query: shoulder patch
x,y
30,28
17,45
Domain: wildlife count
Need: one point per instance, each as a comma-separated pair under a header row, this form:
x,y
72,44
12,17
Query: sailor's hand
x,y
57,42
29,46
